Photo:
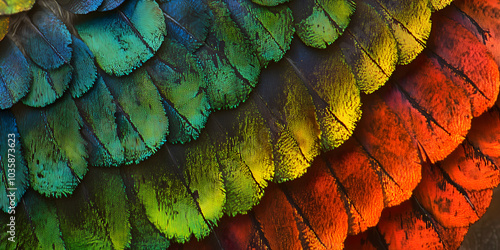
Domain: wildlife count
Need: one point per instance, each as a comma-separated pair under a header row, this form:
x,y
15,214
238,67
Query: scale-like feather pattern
x,y
42,225
452,195
45,39
293,146
123,39
410,23
97,110
139,103
231,66
369,49
445,209
325,74
53,146
465,70
47,85
321,22
97,214
311,103
188,22
15,74
177,214
180,81
270,29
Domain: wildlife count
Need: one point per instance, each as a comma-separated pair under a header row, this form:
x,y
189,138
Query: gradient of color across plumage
x,y
216,106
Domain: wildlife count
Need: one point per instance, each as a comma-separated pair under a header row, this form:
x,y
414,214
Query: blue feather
x,y
188,22
80,6
15,76
110,5
46,40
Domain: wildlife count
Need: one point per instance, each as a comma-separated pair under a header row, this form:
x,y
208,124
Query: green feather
x,y
181,82
166,200
245,159
139,103
54,147
48,85
8,7
269,29
123,39
97,214
319,23
230,65
270,2
98,111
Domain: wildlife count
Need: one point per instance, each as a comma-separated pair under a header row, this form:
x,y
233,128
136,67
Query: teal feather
x,y
53,146
231,65
123,39
270,29
141,112
181,83
97,109
48,85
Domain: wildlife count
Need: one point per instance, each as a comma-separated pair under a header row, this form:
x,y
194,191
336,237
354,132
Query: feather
x,y
122,40
14,173
15,74
319,23
270,2
410,23
4,26
180,80
270,29
101,206
231,67
97,110
370,49
54,147
47,85
79,7
188,22
84,69
446,201
34,210
139,103
143,75
45,39
8,7
110,5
